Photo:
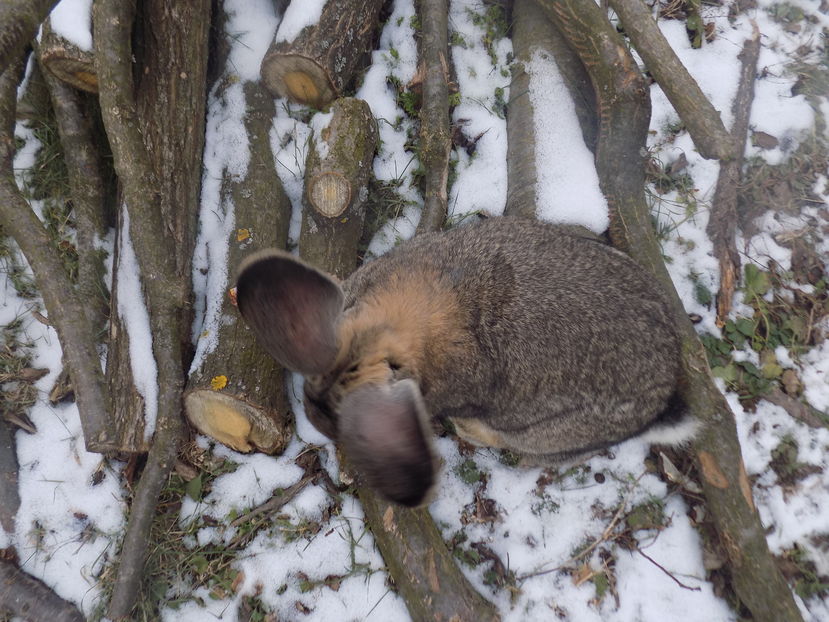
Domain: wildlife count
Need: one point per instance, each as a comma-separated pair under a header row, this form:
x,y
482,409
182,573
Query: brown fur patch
x,y
413,322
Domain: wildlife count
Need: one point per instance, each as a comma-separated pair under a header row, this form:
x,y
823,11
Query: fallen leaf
x,y
242,235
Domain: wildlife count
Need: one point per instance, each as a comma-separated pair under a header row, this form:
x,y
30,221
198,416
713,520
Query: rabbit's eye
x,y
353,369
393,365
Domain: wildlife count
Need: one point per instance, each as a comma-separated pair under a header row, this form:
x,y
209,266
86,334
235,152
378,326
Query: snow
x,y
72,20
297,16
136,320
567,189
68,528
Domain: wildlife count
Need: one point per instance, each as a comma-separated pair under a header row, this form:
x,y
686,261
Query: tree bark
x,y
532,32
237,395
31,599
337,169
181,30
83,164
422,567
65,308
9,496
624,105
320,62
700,117
19,20
66,61
435,138
722,224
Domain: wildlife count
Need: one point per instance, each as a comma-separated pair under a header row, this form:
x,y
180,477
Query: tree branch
x,y
624,117
722,224
31,599
19,20
702,120
66,311
435,139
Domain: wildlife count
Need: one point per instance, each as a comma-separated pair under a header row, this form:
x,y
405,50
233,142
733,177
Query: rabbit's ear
x,y
384,430
292,308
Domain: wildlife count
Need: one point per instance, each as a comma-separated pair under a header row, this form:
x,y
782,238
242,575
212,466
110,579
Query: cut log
x,y
315,66
66,61
32,600
238,394
337,169
624,106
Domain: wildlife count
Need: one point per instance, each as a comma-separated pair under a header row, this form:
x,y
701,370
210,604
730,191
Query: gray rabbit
x,y
526,336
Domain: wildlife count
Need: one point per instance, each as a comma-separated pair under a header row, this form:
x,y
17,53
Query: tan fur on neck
x,y
412,313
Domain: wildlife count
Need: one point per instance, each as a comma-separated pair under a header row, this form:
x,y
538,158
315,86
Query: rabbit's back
x,y
564,344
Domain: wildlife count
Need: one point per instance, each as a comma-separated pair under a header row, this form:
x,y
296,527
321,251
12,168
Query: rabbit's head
x,y
360,374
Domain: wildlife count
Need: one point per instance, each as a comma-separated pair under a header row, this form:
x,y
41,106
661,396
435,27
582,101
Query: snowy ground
x,y
523,537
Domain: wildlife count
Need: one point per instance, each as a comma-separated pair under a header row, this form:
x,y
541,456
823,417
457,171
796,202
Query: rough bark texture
x,y
422,567
29,598
19,20
66,309
532,32
66,61
180,30
624,104
348,145
722,224
702,120
127,403
435,142
9,497
237,395
320,62
83,164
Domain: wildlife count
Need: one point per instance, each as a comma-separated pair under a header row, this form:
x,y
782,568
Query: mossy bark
x,y
9,496
348,145
238,395
624,112
320,62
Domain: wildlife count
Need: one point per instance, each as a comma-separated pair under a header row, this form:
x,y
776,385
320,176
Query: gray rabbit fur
x,y
525,335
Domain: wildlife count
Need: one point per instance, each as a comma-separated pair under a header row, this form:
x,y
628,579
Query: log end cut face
x,y
330,194
298,78
236,423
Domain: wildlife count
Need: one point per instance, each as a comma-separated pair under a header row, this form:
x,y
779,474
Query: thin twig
x,y
662,568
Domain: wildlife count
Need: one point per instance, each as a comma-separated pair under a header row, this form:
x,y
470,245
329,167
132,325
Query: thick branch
x,y
23,595
66,61
435,138
66,311
19,20
702,120
155,249
622,95
722,224
422,567
83,164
